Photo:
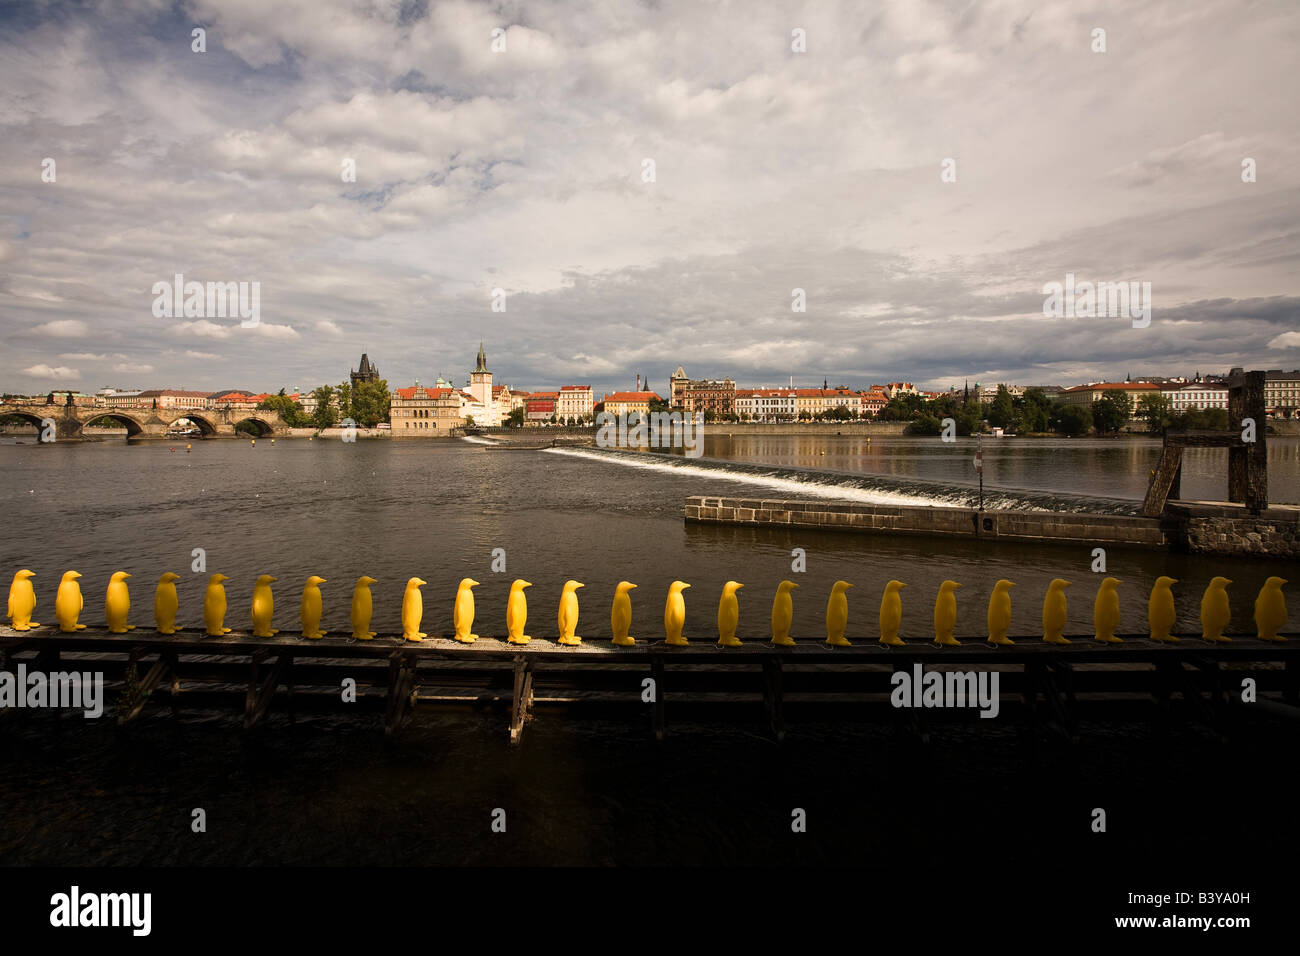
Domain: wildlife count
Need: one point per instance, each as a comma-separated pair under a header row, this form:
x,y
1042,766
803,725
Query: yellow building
x,y
420,412
621,403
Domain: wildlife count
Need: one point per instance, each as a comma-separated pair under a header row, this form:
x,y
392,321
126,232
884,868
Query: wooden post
x,y
772,697
657,674
522,702
401,692
1248,463
1236,456
1162,482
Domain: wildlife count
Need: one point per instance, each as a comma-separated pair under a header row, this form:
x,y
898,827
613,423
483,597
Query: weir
x,y
1045,686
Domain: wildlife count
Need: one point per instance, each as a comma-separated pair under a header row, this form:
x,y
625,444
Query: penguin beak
x,y
1011,584
271,580
576,586
125,576
794,585
631,586
75,575
685,586
1226,583
473,583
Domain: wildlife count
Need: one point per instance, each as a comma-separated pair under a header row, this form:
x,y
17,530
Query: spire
x,y
482,358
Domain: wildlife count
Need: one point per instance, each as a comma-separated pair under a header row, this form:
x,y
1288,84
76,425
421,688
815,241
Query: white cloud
x,y
328,327
83,356
62,328
1287,340
195,354
132,369
46,371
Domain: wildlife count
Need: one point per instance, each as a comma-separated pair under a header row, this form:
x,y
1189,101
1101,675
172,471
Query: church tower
x,y
480,386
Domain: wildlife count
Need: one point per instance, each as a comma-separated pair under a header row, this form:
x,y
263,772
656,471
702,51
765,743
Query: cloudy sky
x,y
523,170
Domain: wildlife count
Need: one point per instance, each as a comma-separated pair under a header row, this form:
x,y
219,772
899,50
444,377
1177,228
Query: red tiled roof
x,y
631,397
1112,386
575,388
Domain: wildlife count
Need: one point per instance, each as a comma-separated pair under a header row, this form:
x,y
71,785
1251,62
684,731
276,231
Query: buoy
x,y
462,612
1161,616
1270,610
68,603
517,612
22,601
214,607
783,614
1055,616
362,606
568,613
837,615
1105,612
891,614
117,604
945,614
1215,612
620,615
165,604
729,615
675,614
413,610
999,617
309,612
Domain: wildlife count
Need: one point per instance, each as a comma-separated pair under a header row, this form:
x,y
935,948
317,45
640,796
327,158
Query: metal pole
x,y
979,465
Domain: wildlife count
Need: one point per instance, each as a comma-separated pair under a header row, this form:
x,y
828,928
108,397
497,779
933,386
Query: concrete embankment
x,y
1206,528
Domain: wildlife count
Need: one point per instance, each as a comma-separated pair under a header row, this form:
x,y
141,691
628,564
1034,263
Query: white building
x,y
767,404
1199,395
575,401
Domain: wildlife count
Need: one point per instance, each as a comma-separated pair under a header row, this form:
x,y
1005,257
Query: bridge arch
x,y
133,427
206,427
7,416
262,427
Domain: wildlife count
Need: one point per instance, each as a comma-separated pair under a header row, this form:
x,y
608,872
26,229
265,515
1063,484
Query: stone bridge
x,y
145,421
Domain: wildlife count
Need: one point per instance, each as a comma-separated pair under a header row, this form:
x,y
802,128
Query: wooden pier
x,y
1048,684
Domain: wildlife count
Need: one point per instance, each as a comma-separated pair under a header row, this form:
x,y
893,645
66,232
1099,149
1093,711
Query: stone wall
x,y
1225,528
1039,526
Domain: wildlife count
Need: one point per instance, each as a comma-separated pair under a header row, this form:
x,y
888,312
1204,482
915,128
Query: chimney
x,y
638,381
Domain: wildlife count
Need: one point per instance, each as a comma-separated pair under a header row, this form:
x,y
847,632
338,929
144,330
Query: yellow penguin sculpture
x,y
1270,610
413,610
729,615
568,613
945,614
309,612
1215,613
1105,612
263,607
837,614
620,615
675,614
1055,616
68,603
166,603
214,607
462,612
517,612
362,607
783,614
891,614
117,604
1161,616
999,618
22,601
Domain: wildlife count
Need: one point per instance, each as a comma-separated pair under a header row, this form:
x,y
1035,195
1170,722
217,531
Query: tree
x,y
1002,410
840,413
1073,419
325,414
469,421
289,410
368,402
1157,411
658,405
516,418
805,415
710,416
1112,411
969,417
925,424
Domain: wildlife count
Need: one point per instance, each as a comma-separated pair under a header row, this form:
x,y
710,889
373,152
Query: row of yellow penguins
x,y
1270,610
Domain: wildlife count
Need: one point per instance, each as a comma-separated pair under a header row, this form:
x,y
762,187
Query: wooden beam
x,y
772,698
1162,482
138,694
401,692
657,674
258,701
1248,462
522,701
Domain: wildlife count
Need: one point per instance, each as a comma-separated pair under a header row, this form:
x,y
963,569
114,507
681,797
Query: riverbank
x,y
1212,528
